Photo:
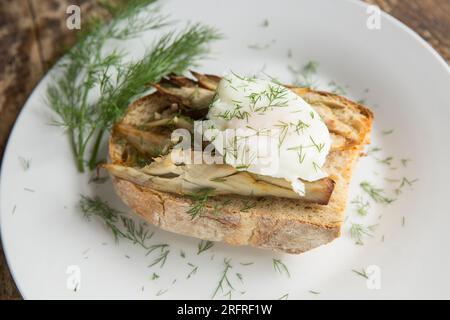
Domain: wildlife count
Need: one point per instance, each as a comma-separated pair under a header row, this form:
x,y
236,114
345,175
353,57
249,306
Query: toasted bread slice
x,y
288,224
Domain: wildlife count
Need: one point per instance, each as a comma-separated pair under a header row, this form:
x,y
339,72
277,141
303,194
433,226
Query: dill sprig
x,y
162,256
120,225
199,202
375,193
280,267
359,231
87,69
362,206
224,282
204,245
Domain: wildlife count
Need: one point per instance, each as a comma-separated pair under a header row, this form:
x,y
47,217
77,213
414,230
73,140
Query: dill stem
x,y
79,164
93,159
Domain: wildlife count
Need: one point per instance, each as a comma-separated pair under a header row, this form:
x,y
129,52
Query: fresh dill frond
x,y
404,182
280,267
204,245
86,68
199,202
224,281
240,276
375,193
246,263
314,292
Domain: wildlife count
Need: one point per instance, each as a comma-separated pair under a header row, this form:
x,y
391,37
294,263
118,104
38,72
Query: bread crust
x,y
286,225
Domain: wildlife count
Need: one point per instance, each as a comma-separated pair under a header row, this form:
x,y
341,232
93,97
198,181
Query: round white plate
x,y
50,246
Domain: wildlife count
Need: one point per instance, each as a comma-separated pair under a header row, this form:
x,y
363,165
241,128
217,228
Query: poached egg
x,y
262,127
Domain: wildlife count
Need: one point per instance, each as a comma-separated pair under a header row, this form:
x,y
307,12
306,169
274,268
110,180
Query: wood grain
x,y
33,35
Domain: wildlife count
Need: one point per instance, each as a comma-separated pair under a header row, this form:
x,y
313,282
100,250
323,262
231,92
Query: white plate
x,y
44,233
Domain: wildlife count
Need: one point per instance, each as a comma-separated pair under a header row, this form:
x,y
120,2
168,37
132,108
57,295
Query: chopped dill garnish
x,y
162,257
29,190
358,232
193,271
403,221
362,206
248,205
314,292
387,161
240,277
257,46
319,146
284,297
25,163
361,101
265,23
204,245
304,77
362,273
199,202
375,193
404,182
182,254
289,53
405,162
280,267
120,225
95,178
387,132
154,276
224,282
161,292
246,263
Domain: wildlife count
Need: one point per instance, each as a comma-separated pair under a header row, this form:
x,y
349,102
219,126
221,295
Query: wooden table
x,y
33,35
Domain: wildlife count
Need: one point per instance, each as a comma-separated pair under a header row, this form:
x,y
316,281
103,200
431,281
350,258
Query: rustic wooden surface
x,y
33,35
